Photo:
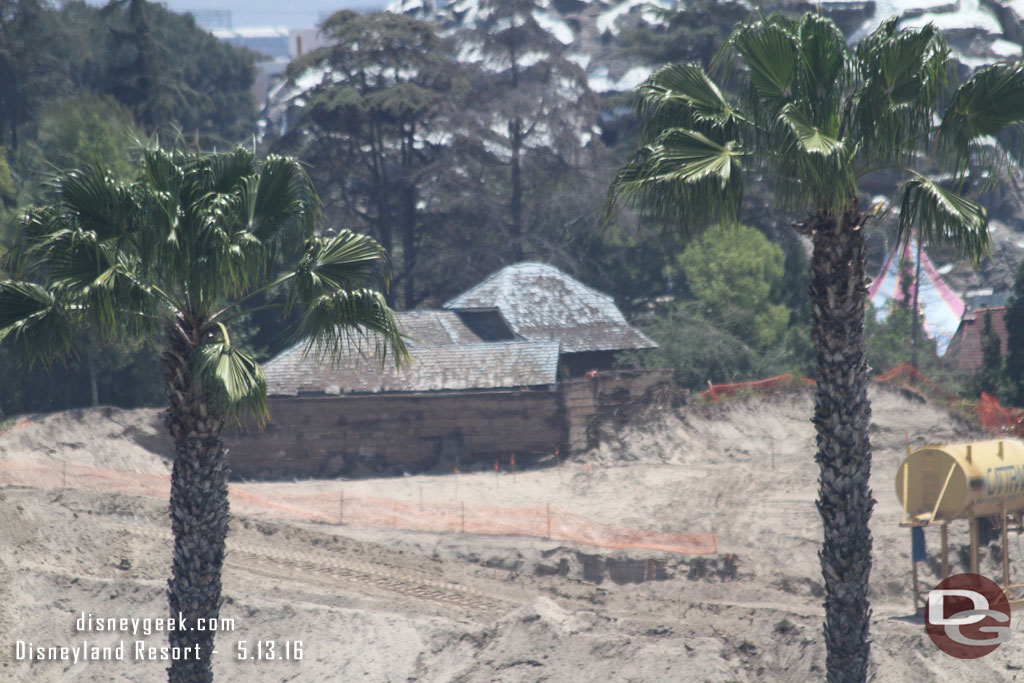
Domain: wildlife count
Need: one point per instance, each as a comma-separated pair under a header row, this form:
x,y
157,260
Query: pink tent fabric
x,y
941,309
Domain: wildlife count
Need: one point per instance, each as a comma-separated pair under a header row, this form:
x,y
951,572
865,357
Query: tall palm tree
x,y
182,251
813,116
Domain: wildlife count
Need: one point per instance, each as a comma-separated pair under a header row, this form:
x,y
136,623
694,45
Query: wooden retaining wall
x,y
360,435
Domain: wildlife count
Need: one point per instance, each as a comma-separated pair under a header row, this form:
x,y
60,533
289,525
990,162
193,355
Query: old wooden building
x,y
520,364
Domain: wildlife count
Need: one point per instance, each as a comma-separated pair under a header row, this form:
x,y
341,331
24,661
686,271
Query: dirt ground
x,y
383,604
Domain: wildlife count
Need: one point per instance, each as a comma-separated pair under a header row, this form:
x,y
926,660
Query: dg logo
x,y
968,616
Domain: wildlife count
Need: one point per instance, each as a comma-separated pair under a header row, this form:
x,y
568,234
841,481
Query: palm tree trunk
x,y
841,419
199,510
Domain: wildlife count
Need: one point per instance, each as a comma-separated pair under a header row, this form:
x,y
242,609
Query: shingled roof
x,y
540,302
433,368
547,313
434,328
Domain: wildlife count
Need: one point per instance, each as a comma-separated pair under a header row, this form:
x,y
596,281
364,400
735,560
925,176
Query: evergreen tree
x,y
375,132
30,67
535,114
1014,320
170,73
991,358
736,276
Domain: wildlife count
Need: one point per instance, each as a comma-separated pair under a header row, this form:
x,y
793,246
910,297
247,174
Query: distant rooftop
x,y
434,368
540,302
509,331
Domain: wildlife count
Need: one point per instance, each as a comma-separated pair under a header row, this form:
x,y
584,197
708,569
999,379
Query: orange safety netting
x,y
907,376
904,374
999,419
715,392
336,507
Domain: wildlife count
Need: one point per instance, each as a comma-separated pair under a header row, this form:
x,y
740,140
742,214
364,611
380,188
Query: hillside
x,y
383,604
980,31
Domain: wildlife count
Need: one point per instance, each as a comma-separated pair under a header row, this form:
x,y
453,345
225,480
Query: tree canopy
x,y
736,275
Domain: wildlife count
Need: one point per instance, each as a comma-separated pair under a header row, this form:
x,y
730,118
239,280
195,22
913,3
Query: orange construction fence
x,y
990,414
716,392
337,507
999,419
906,375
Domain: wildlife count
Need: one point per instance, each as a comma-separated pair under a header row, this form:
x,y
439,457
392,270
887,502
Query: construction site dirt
x,y
380,599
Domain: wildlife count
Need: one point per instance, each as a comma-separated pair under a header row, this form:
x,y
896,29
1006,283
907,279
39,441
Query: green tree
x,y
696,350
736,274
815,115
991,371
693,32
86,129
181,251
77,131
890,340
374,134
533,115
169,73
31,68
1014,319
143,73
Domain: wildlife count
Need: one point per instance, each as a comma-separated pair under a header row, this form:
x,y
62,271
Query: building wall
x,y
361,435
586,401
965,348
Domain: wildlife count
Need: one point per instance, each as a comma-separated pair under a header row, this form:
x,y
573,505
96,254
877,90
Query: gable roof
x,y
540,302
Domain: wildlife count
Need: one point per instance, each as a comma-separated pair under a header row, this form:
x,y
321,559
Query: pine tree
x,y
1013,373
535,114
991,357
376,132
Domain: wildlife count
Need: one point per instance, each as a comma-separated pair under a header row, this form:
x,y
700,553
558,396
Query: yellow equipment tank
x,y
943,483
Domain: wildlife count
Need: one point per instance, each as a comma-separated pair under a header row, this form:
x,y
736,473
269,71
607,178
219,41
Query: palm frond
x,y
345,261
824,69
682,95
943,217
812,170
231,380
336,323
989,102
228,170
683,177
902,76
283,198
337,308
809,138
36,320
770,51
98,202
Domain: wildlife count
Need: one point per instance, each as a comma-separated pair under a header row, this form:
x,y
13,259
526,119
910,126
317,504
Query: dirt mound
x,y
380,604
719,433
111,438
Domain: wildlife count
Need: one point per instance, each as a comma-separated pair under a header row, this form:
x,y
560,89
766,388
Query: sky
x,y
286,13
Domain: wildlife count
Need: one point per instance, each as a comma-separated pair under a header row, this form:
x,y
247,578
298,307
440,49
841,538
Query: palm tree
x,y
182,251
813,116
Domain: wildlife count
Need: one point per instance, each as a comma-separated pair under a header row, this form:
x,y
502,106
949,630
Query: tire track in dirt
x,y
320,568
